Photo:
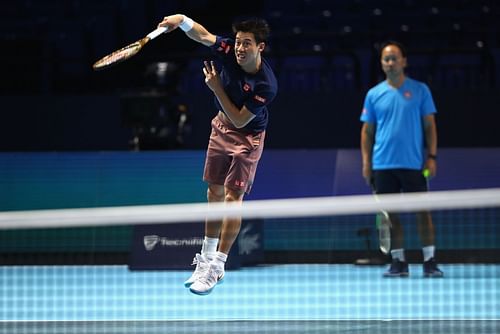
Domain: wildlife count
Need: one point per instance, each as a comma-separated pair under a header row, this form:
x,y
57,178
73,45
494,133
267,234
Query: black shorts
x,y
388,181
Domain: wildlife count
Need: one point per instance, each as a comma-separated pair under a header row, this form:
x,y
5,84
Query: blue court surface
x,y
292,298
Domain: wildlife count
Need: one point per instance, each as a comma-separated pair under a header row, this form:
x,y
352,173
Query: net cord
x,y
255,209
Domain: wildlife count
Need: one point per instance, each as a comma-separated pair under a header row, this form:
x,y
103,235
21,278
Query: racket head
x,y
120,55
384,225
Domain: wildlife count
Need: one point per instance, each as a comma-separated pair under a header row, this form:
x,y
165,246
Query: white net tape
x,y
280,208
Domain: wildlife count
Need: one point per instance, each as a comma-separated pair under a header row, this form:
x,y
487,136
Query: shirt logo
x,y
224,47
246,87
260,98
365,111
407,94
239,183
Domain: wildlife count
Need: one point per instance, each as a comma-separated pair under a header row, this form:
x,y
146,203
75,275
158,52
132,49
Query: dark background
x,y
324,53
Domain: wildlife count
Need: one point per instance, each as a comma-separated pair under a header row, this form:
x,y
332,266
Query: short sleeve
x,y
367,114
223,48
428,106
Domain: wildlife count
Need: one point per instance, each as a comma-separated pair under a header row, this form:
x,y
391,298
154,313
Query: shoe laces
x,y
201,263
197,259
211,276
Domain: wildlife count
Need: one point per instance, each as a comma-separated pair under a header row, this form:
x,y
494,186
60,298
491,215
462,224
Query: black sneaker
x,y
431,269
397,269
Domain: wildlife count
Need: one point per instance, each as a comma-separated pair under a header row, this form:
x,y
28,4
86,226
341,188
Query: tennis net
x,y
305,265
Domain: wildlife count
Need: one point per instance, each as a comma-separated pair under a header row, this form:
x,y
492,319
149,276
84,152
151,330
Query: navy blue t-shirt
x,y
254,91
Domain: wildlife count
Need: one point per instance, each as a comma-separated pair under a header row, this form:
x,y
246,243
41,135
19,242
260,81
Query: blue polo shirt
x,y
254,91
397,114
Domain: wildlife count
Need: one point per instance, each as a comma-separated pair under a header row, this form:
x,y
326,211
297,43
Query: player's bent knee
x,y
234,195
215,193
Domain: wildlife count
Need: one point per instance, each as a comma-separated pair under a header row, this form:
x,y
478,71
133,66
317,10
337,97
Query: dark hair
x,y
257,26
400,46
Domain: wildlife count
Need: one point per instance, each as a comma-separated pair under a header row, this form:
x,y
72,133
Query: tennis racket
x,y
384,225
125,53
383,221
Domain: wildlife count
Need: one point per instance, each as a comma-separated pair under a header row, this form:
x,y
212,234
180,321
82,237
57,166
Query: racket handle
x,y
157,32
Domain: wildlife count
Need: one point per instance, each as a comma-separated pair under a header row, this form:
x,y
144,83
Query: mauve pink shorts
x,y
232,156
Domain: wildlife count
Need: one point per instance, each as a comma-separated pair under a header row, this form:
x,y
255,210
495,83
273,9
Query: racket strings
x,y
120,55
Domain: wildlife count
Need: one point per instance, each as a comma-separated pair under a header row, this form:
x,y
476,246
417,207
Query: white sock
x,y
209,247
220,258
428,252
398,254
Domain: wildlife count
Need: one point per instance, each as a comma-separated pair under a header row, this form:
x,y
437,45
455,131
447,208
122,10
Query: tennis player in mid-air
x,y
243,88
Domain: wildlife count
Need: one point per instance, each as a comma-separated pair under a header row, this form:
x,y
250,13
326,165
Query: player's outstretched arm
x,y
193,29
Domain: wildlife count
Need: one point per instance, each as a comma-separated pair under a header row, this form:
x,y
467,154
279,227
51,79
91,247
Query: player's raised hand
x,y
212,78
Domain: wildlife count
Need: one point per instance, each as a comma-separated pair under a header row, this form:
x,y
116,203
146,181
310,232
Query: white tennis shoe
x,y
202,265
208,280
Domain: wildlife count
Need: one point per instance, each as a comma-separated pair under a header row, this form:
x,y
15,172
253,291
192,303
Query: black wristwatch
x,y
432,156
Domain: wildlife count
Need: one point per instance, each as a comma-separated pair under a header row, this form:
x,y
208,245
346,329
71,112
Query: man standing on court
x,y
399,143
243,89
